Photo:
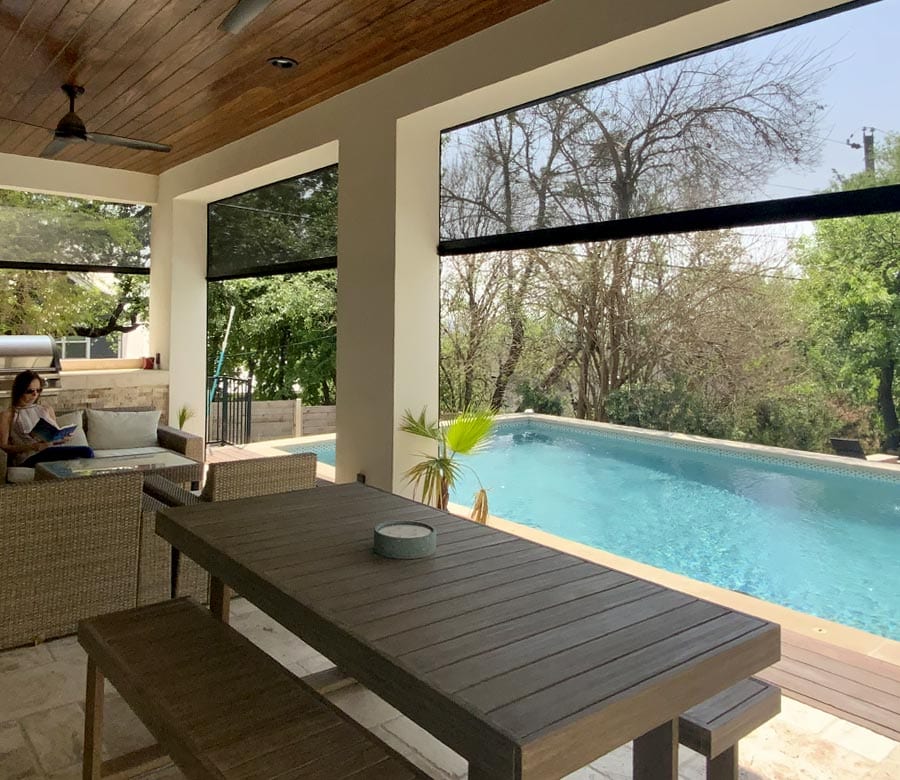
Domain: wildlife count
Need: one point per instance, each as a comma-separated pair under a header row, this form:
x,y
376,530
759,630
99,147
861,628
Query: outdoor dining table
x,y
528,662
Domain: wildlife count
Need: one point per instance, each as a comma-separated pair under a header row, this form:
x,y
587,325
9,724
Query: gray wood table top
x,y
527,661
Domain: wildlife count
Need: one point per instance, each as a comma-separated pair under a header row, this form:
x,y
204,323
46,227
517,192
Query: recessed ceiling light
x,y
282,62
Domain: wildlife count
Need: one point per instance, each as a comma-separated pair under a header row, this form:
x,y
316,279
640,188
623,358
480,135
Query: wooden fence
x,y
286,419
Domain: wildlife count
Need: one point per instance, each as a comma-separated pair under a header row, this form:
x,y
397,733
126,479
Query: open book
x,y
47,431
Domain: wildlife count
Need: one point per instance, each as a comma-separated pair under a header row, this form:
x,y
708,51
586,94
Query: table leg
x,y
219,598
724,766
656,753
93,723
176,563
500,767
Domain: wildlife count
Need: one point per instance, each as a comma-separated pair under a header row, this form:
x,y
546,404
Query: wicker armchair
x,y
225,481
241,479
156,562
69,549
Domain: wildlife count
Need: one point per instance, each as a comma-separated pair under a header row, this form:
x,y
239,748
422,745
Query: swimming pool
x,y
825,541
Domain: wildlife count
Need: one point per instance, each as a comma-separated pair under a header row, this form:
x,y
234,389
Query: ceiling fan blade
x,y
131,143
55,147
27,124
242,14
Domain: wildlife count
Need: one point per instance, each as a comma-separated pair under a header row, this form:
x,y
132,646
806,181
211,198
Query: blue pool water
x,y
325,450
816,540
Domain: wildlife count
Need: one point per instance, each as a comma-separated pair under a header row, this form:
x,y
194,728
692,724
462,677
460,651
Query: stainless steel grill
x,y
39,353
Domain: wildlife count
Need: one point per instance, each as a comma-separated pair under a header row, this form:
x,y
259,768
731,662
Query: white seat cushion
x,y
113,453
20,474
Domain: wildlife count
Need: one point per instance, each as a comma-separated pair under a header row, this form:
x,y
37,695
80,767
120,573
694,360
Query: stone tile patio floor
x,y
42,712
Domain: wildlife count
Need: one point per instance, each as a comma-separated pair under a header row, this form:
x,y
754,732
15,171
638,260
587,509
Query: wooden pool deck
x,y
221,453
841,681
851,685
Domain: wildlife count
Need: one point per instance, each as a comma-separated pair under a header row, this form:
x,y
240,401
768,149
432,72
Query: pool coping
x,y
876,467
274,447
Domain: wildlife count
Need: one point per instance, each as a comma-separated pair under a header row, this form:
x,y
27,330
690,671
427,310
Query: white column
x,y
387,358
185,356
160,278
417,287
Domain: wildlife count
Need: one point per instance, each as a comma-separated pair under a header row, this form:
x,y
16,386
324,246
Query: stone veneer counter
x,y
112,389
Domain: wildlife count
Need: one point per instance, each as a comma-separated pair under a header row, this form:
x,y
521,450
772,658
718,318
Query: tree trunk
x,y
887,407
445,495
282,362
516,343
472,343
516,297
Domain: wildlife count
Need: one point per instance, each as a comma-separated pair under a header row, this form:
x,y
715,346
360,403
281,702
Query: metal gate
x,y
228,416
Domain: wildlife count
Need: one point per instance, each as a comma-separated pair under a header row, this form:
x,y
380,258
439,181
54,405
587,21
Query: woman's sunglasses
x,y
33,391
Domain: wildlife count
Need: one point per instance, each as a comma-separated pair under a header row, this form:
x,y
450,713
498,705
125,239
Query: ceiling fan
x,y
71,129
244,12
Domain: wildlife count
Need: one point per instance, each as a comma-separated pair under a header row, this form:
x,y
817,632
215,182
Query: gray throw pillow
x,y
121,430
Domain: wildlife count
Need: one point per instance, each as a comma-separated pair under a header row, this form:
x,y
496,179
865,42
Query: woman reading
x,y
18,421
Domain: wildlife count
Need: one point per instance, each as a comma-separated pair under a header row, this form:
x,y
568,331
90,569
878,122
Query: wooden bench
x,y
714,727
217,704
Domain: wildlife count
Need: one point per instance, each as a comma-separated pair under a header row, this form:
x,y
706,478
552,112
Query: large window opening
x,y
76,270
272,301
707,245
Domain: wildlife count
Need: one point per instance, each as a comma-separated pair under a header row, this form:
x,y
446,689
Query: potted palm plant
x,y
435,475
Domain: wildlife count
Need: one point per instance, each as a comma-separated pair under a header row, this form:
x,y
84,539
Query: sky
x,y
861,48
862,89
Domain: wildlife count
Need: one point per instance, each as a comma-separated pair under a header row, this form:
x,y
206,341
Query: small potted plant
x,y
184,414
436,475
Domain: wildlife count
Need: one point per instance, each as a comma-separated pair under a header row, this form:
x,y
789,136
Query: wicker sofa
x,y
75,548
167,437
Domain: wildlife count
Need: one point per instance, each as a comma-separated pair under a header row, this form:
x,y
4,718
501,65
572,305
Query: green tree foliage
x,y
36,228
37,302
290,221
802,417
538,400
283,333
670,406
851,298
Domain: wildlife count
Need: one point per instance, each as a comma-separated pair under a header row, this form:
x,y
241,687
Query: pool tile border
x,y
835,464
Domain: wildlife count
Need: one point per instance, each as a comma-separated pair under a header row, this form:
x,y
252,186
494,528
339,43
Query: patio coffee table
x,y
170,464
529,662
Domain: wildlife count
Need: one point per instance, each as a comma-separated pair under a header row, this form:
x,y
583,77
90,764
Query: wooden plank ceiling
x,y
162,70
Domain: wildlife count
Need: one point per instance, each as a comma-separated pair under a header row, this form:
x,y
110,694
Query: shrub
x,y
668,406
805,417
539,400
